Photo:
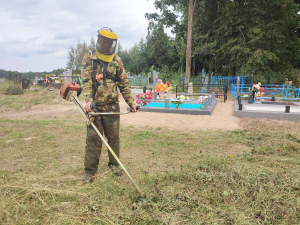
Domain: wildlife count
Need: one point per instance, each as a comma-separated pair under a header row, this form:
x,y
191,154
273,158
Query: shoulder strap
x,y
95,83
104,73
94,66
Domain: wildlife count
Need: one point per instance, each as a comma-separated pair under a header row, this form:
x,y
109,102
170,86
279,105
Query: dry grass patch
x,y
262,124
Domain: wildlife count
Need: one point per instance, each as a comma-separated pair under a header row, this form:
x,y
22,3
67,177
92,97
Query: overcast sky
x,y
35,35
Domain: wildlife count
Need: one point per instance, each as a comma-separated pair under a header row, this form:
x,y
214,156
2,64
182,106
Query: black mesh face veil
x,y
107,41
106,45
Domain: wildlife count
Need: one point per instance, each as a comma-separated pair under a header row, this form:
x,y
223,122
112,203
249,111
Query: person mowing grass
x,y
103,72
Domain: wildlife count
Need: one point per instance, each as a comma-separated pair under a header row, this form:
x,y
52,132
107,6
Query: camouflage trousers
x,y
109,124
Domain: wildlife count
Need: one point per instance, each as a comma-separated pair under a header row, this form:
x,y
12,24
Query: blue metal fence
x,y
281,90
227,79
138,81
216,80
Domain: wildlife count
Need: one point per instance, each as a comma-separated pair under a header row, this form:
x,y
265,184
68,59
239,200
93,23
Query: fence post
x,y
176,91
225,92
233,93
154,84
242,83
238,85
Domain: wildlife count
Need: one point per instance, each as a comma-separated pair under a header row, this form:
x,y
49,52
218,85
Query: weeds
x,y
29,99
11,88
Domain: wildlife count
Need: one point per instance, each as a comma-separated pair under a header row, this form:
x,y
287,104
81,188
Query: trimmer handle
x,y
137,108
93,107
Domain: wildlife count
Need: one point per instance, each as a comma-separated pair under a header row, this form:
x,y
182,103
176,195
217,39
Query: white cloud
x,y
35,35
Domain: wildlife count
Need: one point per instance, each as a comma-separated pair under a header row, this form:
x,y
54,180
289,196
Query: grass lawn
x,y
249,176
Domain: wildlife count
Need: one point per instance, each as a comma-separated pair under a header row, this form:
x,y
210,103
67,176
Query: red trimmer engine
x,y
68,88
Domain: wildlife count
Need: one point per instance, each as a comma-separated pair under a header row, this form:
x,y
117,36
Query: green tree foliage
x,y
257,35
76,53
58,71
204,46
155,51
133,59
92,46
236,36
30,75
158,45
9,75
75,56
172,14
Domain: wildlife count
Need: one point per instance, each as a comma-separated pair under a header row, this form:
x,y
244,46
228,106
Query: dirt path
x,y
222,117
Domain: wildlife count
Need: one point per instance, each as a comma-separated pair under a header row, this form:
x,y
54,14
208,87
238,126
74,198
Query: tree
x,y
236,36
192,4
133,59
177,54
134,64
174,13
9,75
158,45
259,35
75,56
205,46
144,55
123,53
92,46
58,71
71,64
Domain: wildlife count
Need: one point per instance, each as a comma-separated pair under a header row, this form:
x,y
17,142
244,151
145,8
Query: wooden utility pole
x,y
192,4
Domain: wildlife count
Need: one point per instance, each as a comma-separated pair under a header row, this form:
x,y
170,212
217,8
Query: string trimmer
x,y
70,92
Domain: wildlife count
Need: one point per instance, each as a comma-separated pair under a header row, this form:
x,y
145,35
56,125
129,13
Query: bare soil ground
x,y
222,117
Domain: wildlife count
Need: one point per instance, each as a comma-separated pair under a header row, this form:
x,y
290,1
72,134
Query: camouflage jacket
x,y
106,95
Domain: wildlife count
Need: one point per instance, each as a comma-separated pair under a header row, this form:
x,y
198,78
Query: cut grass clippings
x,y
221,177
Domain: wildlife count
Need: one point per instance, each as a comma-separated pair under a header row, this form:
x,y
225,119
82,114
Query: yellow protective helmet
x,y
106,44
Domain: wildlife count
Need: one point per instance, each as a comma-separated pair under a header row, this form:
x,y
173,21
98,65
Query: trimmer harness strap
x,y
105,75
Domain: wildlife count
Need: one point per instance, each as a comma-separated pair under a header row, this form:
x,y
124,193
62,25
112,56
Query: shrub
x,y
11,88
